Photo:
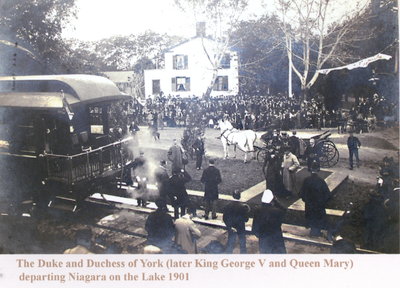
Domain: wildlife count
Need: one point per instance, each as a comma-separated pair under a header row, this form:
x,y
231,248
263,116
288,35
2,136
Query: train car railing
x,y
89,164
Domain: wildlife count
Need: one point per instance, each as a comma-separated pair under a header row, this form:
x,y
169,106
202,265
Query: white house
x,y
188,70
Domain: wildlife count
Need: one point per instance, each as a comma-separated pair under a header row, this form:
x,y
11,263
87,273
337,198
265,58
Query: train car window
x,y
17,131
4,130
96,119
84,137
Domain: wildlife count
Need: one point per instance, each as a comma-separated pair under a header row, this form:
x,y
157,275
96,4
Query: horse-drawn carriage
x,y
327,151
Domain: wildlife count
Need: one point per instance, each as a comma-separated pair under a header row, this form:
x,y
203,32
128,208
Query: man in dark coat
x,y
267,223
211,178
198,147
375,220
176,155
312,154
177,191
294,143
160,227
272,172
235,215
353,144
315,194
162,179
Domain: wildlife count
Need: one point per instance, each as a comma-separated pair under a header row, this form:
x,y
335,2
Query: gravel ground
x,y
53,234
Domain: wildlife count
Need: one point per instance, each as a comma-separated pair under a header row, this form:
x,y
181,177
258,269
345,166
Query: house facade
x,y
188,71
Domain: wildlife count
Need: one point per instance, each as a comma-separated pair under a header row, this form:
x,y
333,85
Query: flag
x,y
359,64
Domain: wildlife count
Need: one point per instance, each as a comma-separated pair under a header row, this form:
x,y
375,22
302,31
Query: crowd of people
x,y
169,234
262,112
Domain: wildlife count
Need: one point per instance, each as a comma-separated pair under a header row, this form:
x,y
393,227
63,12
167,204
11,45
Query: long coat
x,y
267,223
175,155
290,164
186,234
273,177
177,188
211,178
315,194
162,180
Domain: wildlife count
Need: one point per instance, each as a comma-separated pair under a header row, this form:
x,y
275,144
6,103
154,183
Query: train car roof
x,y
47,91
35,100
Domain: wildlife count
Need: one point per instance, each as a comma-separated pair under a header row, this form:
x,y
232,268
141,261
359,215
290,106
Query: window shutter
x,y
173,83
174,62
225,83
186,62
187,84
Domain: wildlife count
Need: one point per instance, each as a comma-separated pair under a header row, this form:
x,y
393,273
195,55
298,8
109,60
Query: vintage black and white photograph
x,y
199,127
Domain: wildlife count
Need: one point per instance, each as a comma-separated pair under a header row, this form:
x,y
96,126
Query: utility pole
x,y
290,69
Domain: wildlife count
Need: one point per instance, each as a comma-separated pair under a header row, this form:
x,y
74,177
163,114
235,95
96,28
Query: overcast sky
x,y
99,19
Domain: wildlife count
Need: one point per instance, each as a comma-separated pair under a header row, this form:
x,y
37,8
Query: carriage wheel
x,y
261,155
329,154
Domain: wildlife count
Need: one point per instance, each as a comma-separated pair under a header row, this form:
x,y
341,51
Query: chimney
x,y
200,29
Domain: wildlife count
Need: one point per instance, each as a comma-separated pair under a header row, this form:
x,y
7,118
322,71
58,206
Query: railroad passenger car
x,y
61,137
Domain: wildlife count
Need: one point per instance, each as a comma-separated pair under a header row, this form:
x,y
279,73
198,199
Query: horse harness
x,y
231,130
226,137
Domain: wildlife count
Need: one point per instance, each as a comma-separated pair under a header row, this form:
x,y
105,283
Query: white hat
x,y
267,196
151,249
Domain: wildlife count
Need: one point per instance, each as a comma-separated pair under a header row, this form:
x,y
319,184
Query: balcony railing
x,y
89,164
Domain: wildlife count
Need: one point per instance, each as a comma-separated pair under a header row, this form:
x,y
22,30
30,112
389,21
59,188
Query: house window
x,y
226,61
221,83
156,87
180,62
180,83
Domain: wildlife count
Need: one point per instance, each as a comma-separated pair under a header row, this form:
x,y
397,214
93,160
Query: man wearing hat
x,y
211,177
235,215
290,165
162,178
177,191
294,143
267,223
312,154
315,194
353,144
176,155
198,147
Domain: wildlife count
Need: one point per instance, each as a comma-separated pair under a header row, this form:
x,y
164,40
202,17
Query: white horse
x,y
243,139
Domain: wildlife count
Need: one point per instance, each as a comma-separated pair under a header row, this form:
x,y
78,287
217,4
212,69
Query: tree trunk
x,y
304,93
211,85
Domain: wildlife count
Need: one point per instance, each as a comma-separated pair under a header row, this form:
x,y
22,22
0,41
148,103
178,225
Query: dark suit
x,y
162,180
312,154
177,192
198,147
235,215
294,144
315,194
211,178
353,144
160,229
267,223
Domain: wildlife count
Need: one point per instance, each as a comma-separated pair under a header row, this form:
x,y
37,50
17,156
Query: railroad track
x,y
296,237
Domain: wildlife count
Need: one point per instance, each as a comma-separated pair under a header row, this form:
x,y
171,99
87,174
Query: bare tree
x,y
221,17
317,28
